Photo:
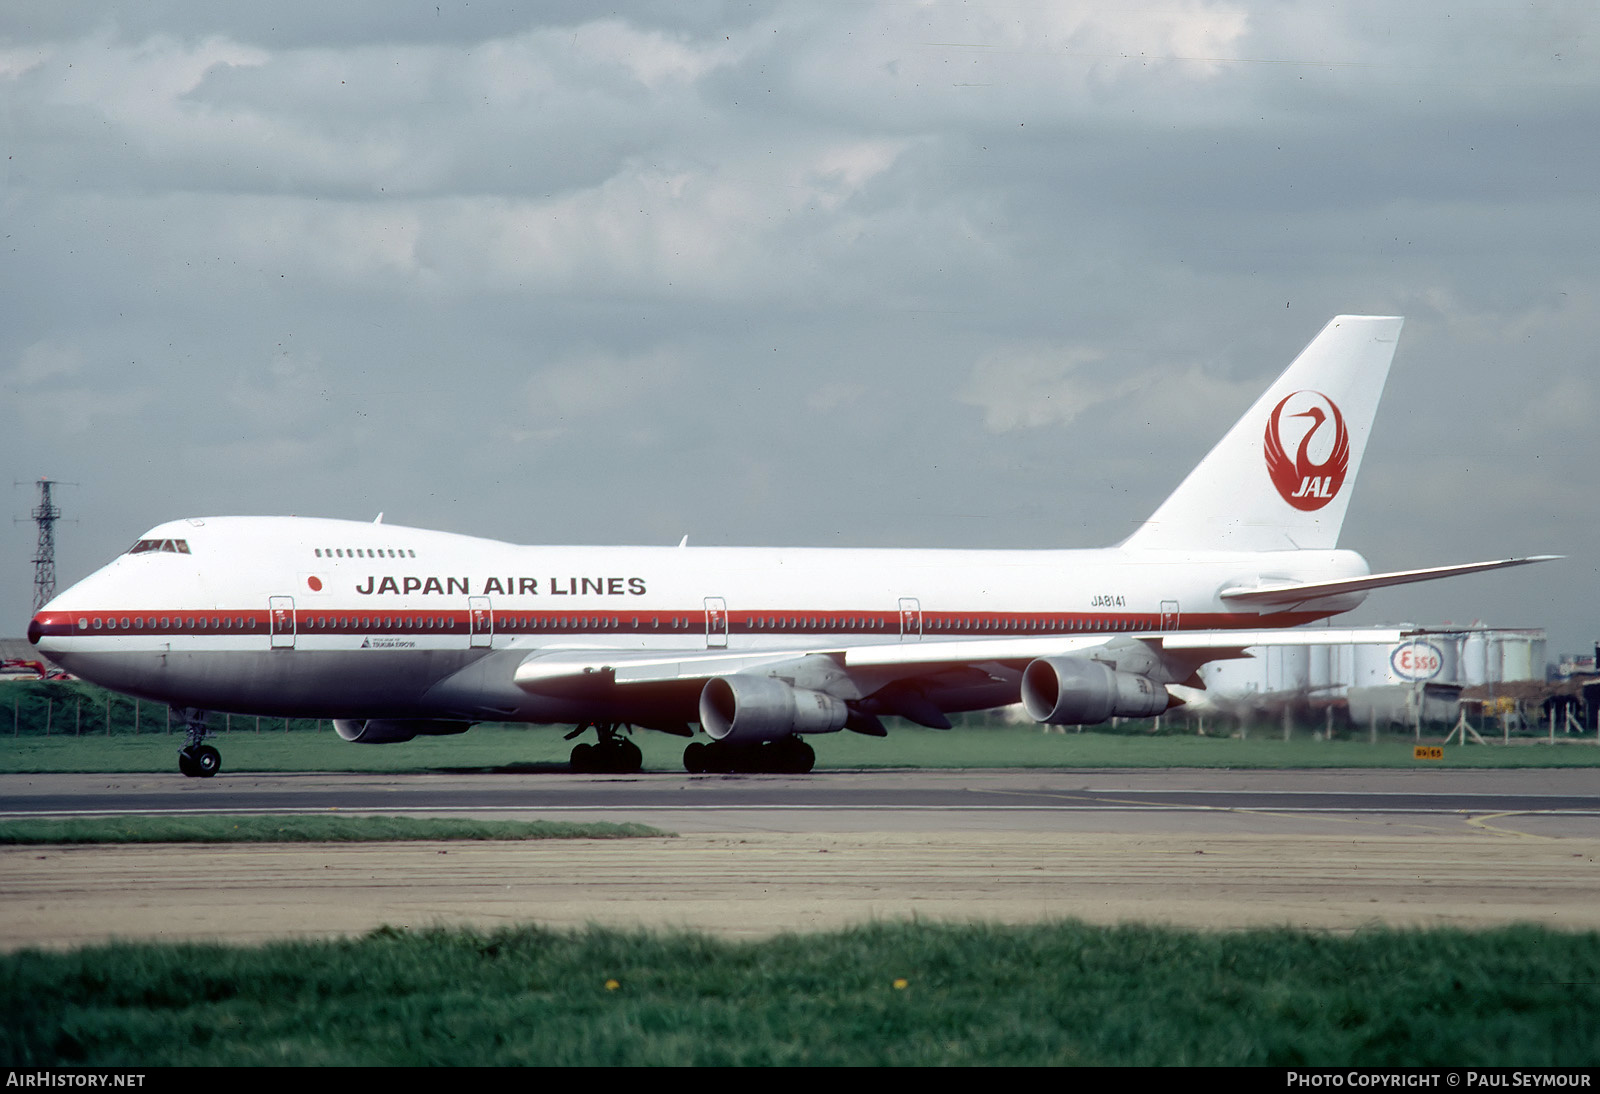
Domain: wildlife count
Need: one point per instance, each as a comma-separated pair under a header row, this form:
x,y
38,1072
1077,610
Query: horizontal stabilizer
x,y
1283,596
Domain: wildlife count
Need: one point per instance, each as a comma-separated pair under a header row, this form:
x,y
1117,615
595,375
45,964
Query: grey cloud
x,y
763,251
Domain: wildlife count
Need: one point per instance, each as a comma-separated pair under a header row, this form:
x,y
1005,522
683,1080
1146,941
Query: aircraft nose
x,y
47,622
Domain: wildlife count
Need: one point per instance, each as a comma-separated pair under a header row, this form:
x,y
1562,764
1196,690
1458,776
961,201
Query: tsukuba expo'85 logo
x,y
1311,479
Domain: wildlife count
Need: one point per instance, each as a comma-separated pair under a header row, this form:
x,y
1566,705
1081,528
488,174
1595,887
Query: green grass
x,y
1062,993
318,828
542,748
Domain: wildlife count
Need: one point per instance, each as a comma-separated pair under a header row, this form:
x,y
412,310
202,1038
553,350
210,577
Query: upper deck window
x,y
173,546
366,552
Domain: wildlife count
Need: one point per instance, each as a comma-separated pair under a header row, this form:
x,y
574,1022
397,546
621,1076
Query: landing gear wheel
x,y
791,756
723,759
199,761
628,758
694,758
207,761
583,762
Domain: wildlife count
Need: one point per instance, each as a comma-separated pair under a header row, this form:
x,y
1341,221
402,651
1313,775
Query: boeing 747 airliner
x,y
398,632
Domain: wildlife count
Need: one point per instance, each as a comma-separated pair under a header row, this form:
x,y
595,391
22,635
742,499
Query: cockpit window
x,y
173,546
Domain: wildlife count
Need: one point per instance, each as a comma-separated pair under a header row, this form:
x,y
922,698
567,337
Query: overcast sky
x,y
981,274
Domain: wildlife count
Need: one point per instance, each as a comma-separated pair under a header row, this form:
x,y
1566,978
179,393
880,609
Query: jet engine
x,y
1076,691
383,731
746,709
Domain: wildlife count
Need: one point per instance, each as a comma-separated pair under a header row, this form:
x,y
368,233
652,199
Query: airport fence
x,y
67,708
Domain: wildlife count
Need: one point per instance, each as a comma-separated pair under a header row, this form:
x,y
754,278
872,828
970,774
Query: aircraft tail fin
x,y
1282,476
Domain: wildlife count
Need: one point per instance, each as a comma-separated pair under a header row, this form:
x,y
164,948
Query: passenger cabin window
x,y
172,546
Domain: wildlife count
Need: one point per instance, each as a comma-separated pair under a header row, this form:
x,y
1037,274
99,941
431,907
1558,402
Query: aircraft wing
x,y
559,670
924,680
1287,596
552,670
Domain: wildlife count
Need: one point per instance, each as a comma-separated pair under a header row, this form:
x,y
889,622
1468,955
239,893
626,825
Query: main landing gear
x,y
614,754
787,756
197,760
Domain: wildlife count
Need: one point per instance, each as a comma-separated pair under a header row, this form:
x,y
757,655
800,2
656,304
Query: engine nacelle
x,y
384,731
1074,691
747,709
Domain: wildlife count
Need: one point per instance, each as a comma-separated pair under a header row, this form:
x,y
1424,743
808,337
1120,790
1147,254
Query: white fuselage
x,y
327,618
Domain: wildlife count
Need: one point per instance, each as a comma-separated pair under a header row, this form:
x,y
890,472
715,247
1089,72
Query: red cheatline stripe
x,y
784,622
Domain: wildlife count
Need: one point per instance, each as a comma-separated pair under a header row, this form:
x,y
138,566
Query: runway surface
x,y
755,855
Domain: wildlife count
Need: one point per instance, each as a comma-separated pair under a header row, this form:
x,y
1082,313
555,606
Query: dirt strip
x,y
760,883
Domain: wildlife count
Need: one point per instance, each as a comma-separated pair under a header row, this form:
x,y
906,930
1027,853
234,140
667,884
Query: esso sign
x,y
1417,661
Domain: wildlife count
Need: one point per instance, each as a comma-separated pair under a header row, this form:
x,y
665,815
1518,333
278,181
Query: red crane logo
x,y
1305,482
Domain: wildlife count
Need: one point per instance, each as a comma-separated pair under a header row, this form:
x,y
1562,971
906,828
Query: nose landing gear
x,y
195,759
